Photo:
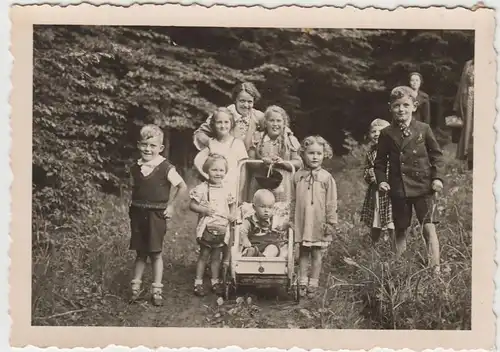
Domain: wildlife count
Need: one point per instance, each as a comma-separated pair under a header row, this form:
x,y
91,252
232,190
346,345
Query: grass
x,y
81,273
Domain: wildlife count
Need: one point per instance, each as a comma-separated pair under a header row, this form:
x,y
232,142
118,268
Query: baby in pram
x,y
263,233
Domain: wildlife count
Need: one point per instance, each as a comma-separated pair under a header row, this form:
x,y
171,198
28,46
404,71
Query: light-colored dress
x,y
218,198
314,207
233,149
464,107
286,147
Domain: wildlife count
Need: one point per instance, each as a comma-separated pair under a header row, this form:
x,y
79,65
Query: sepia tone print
x,y
257,177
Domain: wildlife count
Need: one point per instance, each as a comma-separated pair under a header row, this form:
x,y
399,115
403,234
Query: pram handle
x,y
255,161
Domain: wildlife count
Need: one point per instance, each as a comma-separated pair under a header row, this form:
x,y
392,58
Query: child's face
x,y
313,156
244,103
374,134
222,123
402,109
150,148
275,124
264,207
216,172
415,82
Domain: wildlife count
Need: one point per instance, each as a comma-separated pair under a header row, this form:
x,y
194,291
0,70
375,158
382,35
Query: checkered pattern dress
x,y
369,210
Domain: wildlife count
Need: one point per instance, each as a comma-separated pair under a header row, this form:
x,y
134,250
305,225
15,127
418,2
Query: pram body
x,y
261,271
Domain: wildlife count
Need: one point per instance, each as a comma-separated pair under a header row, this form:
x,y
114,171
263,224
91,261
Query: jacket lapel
x,y
414,134
395,133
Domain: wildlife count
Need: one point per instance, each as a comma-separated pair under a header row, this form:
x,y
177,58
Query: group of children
x,y
403,170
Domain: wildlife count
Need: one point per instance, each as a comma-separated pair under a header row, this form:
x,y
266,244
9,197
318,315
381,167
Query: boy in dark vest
x,y
415,171
151,207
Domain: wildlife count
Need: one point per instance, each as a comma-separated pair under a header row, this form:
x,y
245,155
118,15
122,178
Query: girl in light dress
x,y
225,144
313,211
215,204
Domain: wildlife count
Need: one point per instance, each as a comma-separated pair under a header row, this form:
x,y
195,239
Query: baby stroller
x,y
260,271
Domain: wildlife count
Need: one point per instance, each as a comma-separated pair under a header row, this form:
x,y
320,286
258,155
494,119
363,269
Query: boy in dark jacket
x,y
415,171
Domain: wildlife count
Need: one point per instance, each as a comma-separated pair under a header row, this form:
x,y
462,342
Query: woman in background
x,y
464,109
423,112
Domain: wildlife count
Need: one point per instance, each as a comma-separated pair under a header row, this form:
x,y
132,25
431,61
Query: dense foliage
x,y
94,85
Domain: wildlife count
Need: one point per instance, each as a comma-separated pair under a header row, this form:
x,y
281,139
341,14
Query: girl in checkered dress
x,y
377,209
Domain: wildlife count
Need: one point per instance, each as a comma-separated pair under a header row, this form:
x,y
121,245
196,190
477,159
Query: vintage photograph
x,y
188,176
252,177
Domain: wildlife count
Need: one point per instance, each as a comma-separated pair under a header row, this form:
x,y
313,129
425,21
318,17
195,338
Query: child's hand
x,y
437,186
246,243
329,230
384,187
277,159
267,161
232,218
167,213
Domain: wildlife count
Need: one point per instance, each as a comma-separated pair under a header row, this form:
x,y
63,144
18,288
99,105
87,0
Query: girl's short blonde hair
x,y
275,109
327,149
212,158
150,131
222,110
247,87
378,123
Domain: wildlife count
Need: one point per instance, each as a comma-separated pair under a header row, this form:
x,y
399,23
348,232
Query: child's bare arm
x,y
244,229
331,202
435,155
176,191
198,208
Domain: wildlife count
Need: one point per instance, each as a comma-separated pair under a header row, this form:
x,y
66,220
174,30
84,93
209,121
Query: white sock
x,y
198,282
314,282
215,281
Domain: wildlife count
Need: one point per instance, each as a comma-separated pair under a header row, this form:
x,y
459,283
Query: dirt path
x,y
266,308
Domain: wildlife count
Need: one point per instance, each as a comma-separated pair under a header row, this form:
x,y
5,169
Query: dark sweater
x,y
151,191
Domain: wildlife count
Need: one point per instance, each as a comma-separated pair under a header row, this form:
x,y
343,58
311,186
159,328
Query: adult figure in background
x,y
246,122
464,109
246,118
423,112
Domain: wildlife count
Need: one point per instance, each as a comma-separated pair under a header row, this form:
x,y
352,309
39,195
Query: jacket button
x,y
414,152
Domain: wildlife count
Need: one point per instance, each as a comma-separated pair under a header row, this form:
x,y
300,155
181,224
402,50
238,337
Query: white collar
x,y
152,163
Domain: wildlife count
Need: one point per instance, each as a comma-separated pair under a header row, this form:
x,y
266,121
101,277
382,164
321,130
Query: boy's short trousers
x,y
148,227
402,210
212,239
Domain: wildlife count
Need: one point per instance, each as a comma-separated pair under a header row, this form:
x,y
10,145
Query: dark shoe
x,y
156,294
135,286
312,291
218,289
199,290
